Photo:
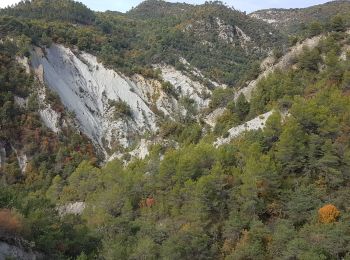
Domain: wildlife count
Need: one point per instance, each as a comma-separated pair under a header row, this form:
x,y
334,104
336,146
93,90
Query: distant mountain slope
x,y
64,10
159,9
207,20
290,20
221,41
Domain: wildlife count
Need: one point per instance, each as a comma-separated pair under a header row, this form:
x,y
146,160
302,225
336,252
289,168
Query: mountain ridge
x,y
293,18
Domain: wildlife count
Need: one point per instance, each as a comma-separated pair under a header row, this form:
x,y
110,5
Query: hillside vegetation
x,y
281,192
206,35
296,19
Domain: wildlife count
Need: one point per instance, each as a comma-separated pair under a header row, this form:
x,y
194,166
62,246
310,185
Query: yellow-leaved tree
x,y
328,214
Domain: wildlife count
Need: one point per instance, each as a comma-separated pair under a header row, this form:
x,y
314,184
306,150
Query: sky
x,y
243,5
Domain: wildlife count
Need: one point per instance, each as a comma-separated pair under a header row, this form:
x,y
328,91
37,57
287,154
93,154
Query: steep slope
x,y
8,251
209,20
185,86
254,124
291,20
111,108
282,63
222,42
88,89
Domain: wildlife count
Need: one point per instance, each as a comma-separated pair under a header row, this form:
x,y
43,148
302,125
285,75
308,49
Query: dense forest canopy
x,y
63,10
277,193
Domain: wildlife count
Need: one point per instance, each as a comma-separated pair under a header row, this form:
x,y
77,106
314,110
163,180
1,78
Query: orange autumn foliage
x,y
328,214
149,202
10,222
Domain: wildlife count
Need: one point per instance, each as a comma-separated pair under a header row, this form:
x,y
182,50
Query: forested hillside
x,y
62,10
276,188
132,44
296,19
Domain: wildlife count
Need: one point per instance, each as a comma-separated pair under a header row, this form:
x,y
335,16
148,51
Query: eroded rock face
x,y
24,62
2,154
75,208
50,119
21,159
8,251
185,85
87,89
254,124
227,33
269,17
284,63
21,102
212,118
151,92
